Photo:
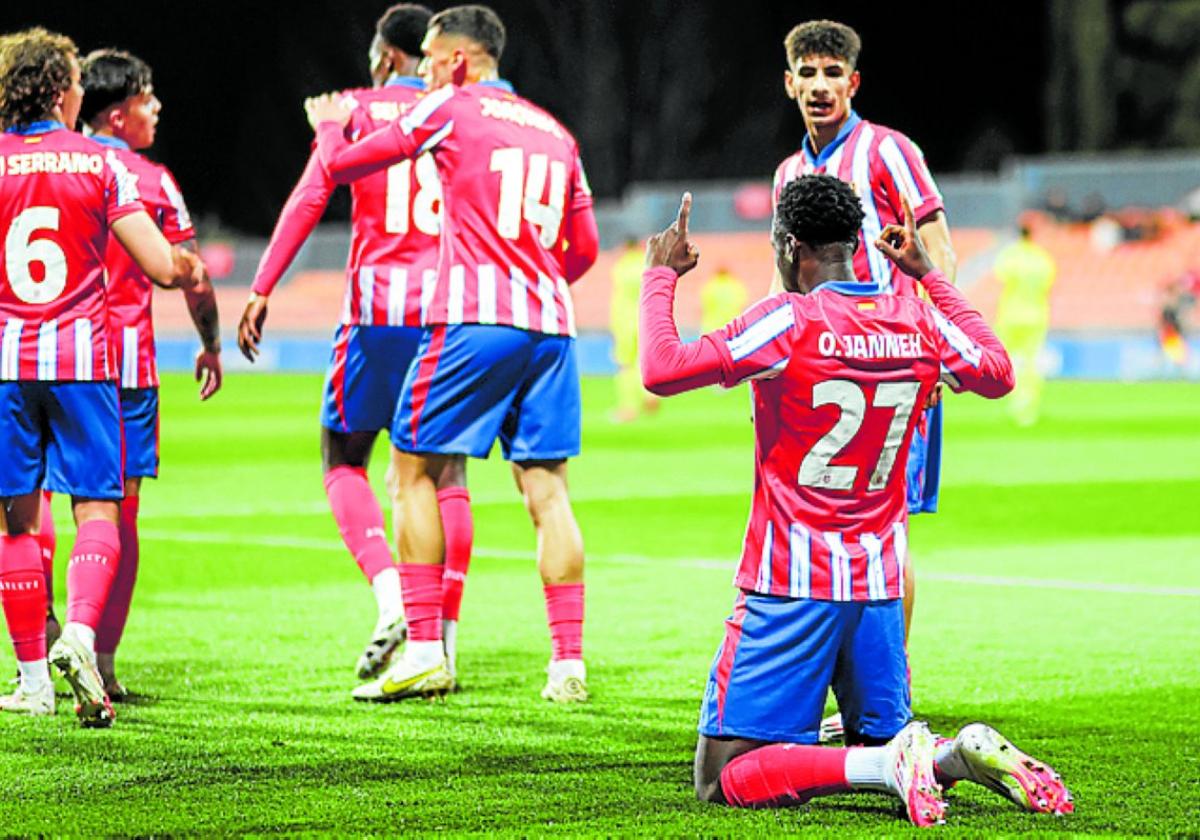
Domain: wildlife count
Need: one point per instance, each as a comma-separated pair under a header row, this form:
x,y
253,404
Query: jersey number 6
x,y
21,251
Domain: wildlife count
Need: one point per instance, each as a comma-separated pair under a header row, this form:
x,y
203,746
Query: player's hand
x,y
208,372
671,247
935,396
328,107
904,247
251,326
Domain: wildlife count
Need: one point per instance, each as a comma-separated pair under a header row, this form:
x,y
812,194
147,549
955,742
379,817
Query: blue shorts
x,y
139,424
366,370
61,436
925,463
472,383
780,656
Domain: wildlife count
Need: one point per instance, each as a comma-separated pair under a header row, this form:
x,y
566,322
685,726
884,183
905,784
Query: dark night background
x,y
665,89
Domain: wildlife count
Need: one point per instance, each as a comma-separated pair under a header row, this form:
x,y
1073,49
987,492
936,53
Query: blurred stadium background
x,y
1085,112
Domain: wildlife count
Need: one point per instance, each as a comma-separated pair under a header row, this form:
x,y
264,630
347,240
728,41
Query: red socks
x,y
459,528
47,540
23,593
116,609
91,571
564,612
359,518
422,587
778,775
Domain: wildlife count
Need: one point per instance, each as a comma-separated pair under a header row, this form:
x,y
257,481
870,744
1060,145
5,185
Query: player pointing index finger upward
x,y
885,166
839,371
498,359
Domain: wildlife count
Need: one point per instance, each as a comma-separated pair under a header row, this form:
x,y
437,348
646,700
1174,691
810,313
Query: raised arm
x,y
970,352
418,131
668,365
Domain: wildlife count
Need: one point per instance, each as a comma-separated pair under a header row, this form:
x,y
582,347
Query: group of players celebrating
x,y
471,217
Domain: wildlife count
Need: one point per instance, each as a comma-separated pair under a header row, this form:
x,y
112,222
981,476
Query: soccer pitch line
x,y
718,564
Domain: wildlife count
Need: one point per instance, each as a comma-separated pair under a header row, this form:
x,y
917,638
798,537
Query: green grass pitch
x,y
1058,598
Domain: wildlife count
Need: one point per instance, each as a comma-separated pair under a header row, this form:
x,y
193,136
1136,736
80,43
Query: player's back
x,y
842,375
510,174
58,195
394,221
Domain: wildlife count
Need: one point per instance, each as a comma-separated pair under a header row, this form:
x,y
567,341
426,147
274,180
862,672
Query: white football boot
x,y
566,682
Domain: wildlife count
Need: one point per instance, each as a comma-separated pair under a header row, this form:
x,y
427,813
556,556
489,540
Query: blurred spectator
x,y
632,398
1057,207
722,299
1179,296
1026,271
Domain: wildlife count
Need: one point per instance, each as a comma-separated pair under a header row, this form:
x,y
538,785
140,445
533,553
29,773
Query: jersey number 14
x,y
521,189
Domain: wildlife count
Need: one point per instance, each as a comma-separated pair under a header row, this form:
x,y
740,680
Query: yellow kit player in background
x,y
632,398
722,299
1026,272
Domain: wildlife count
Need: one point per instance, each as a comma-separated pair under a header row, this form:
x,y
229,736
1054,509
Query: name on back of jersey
x,y
514,112
67,163
871,345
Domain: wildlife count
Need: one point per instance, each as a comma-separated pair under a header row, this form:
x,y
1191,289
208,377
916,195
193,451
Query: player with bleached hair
x,y
60,195
390,271
840,371
498,359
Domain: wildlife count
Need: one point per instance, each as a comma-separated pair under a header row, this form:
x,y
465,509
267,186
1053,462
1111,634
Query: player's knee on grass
x,y
712,754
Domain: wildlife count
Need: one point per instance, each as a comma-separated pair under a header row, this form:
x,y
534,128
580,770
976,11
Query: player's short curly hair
x,y
479,23
823,37
819,210
403,27
35,67
109,78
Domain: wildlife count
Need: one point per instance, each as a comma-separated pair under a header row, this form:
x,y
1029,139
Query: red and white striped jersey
x,y
882,164
394,221
841,376
511,177
59,194
130,291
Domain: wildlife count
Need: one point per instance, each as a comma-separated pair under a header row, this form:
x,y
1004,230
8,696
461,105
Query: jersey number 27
x,y
816,470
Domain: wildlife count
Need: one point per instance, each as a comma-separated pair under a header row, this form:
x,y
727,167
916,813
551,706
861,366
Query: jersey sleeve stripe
x,y
872,226
894,160
127,190
435,138
424,109
761,332
958,340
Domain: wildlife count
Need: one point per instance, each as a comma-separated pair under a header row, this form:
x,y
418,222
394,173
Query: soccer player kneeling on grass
x,y
841,372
